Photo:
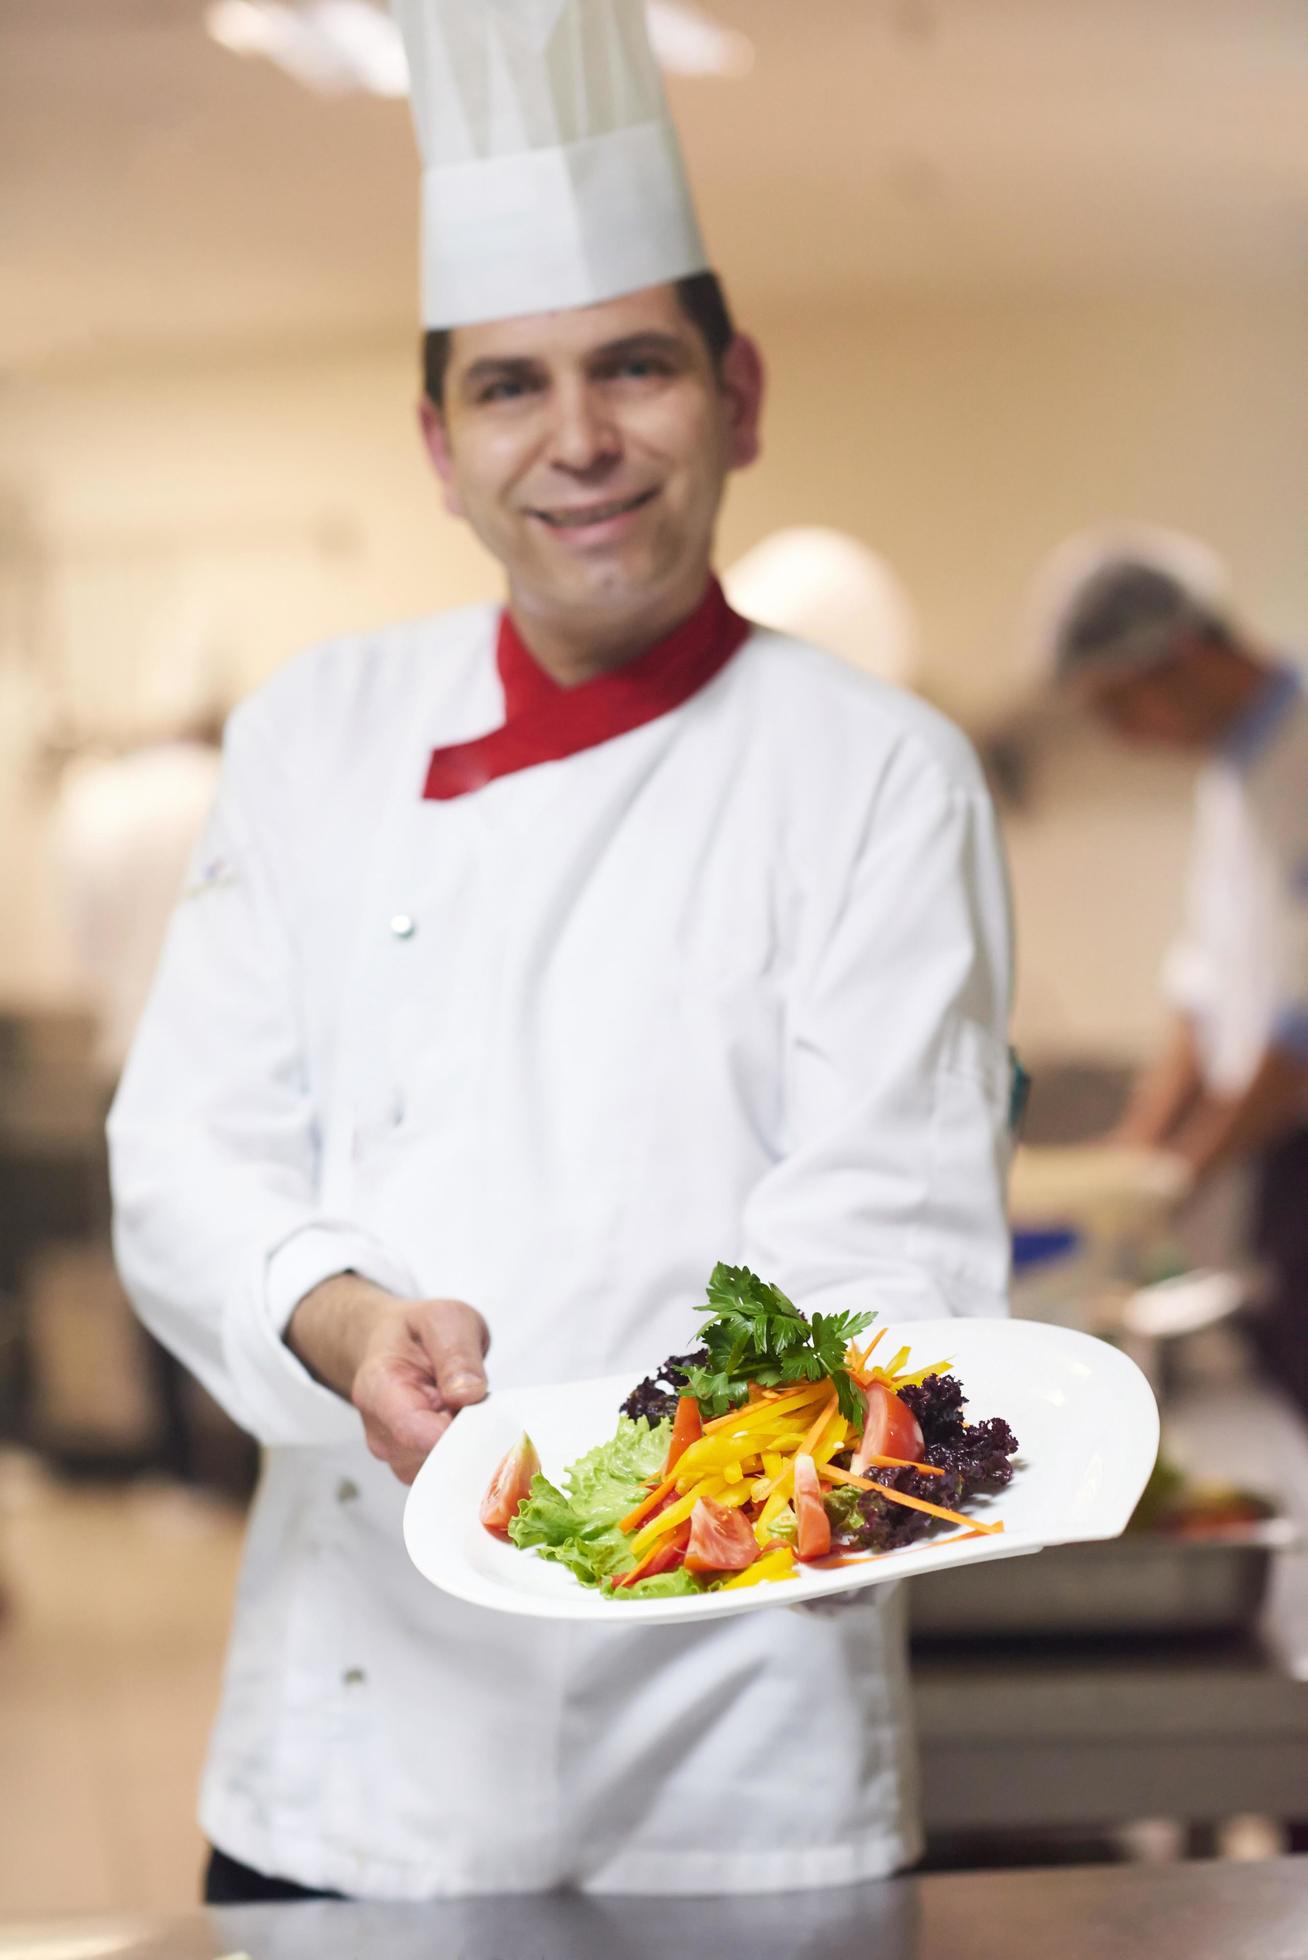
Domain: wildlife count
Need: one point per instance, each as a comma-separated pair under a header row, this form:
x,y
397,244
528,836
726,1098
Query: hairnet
x,y
1121,599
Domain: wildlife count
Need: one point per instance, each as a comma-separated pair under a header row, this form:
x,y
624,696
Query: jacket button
x,y
403,926
346,1491
353,1677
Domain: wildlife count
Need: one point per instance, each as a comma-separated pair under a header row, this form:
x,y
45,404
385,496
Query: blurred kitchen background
x,y
1019,267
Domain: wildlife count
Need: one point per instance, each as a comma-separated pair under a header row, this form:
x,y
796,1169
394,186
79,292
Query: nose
x,y
584,438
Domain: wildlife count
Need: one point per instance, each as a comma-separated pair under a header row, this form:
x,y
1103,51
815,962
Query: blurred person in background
x,y
1143,640
126,824
535,959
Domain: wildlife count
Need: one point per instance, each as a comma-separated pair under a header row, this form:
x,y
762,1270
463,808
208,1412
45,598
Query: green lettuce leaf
x,y
843,1507
577,1526
664,1585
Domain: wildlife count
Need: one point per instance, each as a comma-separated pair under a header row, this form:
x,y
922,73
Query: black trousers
x,y
227,1882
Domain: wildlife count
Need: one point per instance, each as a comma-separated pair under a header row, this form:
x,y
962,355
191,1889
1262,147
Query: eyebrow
x,y
649,341
525,367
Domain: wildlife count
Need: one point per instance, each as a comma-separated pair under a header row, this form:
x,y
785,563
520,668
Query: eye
x,y
638,367
509,388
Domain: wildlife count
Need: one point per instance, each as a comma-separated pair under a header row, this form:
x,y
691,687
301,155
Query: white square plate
x,y
1083,1414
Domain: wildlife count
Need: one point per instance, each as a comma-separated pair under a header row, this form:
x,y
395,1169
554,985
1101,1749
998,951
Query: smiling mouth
x,y
589,514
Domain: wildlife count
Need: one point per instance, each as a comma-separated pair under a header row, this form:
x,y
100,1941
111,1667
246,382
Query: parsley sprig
x,y
757,1335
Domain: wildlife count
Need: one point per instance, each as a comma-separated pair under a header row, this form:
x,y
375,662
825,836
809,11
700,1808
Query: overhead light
x,y
336,47
688,42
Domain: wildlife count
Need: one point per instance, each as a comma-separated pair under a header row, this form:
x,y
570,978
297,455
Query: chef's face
x,y
588,449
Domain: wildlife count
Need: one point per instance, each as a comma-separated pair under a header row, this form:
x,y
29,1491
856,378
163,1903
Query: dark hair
x,y
1132,604
702,301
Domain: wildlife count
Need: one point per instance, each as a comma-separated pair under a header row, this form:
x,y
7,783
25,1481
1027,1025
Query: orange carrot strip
x,y
865,1356
902,1463
898,1497
648,1504
813,1435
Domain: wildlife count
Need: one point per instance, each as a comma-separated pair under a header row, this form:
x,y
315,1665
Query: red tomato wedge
x,y
509,1486
686,1429
813,1537
891,1429
720,1540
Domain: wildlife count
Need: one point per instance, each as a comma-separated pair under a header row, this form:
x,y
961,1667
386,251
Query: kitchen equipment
x,y
1143,1583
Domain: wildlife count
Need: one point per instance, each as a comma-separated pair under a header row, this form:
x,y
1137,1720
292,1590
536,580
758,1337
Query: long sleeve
x,y
214,1135
890,1194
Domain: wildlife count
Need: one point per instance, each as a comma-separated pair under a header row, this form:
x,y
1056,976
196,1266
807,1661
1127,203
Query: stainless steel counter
x,y
1160,1912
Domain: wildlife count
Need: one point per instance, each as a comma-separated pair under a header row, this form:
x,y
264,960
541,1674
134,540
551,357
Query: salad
x,y
779,1442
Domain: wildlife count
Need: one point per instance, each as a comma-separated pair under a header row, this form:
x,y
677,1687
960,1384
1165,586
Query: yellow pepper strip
x,y
916,1379
772,1465
712,1463
834,1438
766,1407
898,1497
893,1379
714,1487
732,1472
783,1482
773,1565
773,1508
711,1454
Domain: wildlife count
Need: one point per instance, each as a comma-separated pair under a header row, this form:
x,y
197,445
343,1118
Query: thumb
x,y
455,1338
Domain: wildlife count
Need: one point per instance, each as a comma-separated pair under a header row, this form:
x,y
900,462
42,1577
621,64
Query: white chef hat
x,y
551,174
1120,597
826,586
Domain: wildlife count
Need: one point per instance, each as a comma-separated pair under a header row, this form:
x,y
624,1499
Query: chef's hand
x,y
408,1366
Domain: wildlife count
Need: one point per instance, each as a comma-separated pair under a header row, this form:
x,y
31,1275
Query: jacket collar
x,y
545,722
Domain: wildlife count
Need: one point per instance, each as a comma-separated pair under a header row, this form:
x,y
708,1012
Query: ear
x,y
436,441
743,382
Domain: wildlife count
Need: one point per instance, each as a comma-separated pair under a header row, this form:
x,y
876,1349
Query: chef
x,y
536,958
1143,636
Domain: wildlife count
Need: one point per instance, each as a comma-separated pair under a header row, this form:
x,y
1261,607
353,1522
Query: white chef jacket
x,y
732,985
1239,971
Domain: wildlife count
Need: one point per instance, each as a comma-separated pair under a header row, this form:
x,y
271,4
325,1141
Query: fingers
x,y
423,1364
455,1339
405,1445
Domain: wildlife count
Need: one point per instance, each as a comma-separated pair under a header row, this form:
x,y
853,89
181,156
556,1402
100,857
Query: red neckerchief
x,y
545,722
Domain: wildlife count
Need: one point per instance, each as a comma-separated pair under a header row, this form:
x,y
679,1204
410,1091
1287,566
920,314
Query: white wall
x,y
257,504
